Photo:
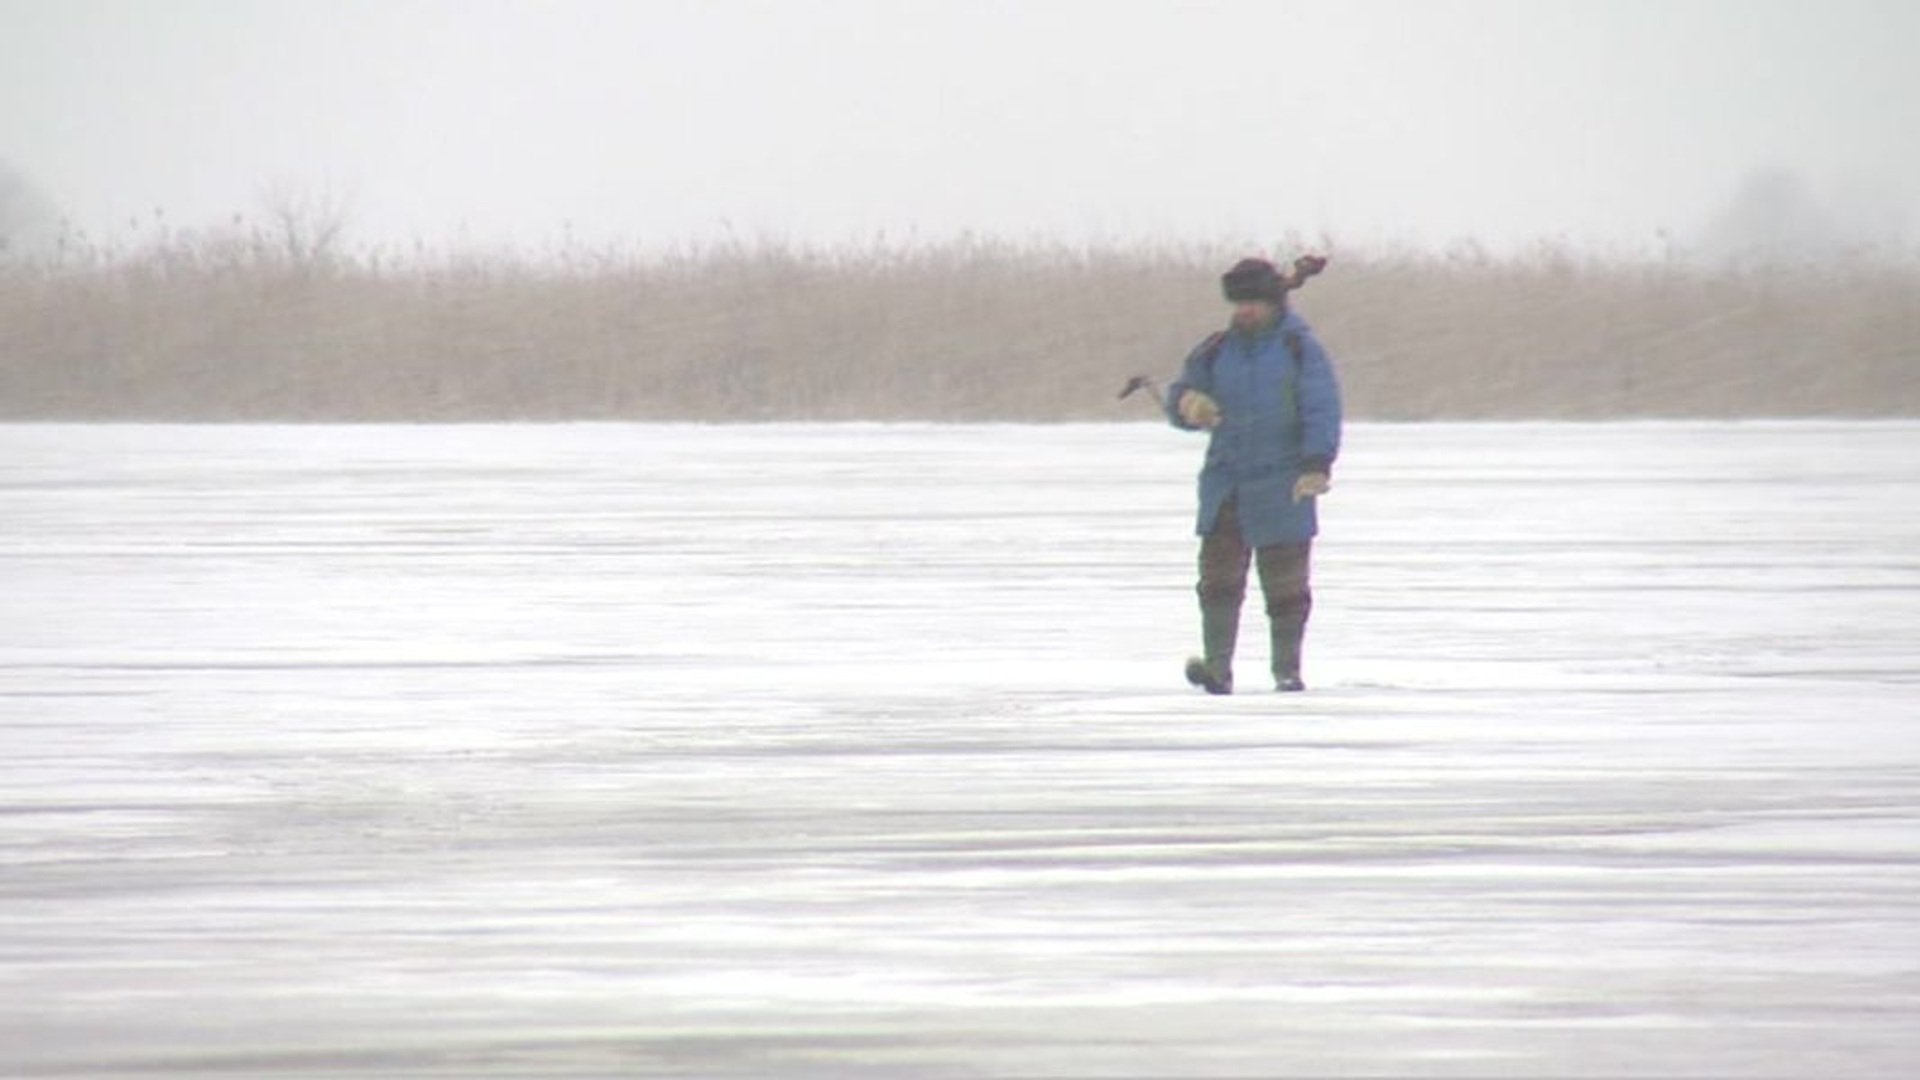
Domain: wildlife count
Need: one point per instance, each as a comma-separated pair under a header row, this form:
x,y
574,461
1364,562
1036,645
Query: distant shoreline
x,y
1515,422
970,332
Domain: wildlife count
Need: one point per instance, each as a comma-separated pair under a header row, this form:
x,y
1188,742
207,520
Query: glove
x,y
1199,410
1311,485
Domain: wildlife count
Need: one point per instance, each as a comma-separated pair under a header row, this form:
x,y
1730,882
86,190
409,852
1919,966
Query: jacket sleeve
x,y
1319,401
1195,374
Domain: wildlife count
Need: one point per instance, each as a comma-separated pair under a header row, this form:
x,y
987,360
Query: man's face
x,y
1254,314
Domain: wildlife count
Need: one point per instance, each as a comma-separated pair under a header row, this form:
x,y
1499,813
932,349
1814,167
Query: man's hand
x,y
1311,485
1199,410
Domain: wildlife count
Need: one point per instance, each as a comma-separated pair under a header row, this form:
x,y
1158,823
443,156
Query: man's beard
x,y
1250,322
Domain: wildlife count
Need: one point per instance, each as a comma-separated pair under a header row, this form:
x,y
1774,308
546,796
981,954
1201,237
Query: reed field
x,y
283,326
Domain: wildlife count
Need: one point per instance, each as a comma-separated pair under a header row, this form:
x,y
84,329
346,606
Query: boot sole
x,y
1199,675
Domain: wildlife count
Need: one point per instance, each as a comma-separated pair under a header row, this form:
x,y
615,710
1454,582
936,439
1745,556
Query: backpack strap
x,y
1209,349
1299,353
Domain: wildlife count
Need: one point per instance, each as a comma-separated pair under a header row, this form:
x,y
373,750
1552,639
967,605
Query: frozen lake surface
x,y
863,751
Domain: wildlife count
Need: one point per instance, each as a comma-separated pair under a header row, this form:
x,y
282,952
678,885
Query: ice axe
x,y
1303,268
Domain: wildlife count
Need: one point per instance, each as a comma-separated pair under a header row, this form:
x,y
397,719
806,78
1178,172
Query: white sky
x,y
489,122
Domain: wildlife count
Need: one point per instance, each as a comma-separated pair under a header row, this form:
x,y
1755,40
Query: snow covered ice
x,y
864,751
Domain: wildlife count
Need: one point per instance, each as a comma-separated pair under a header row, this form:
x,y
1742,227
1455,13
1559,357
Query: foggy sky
x,y
483,122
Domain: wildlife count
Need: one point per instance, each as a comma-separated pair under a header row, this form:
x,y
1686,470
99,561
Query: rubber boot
x,y
1287,634
1219,630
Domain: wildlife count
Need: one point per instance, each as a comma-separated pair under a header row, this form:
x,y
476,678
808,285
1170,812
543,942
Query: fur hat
x,y
1253,279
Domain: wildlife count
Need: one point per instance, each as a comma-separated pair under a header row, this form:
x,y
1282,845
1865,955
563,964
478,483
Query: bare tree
x,y
305,226
28,221
1773,219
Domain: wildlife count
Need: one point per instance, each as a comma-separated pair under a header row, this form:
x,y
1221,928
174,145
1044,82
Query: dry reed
x,y
237,327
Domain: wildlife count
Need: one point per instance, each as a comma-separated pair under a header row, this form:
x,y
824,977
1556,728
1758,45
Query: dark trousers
x,y
1283,568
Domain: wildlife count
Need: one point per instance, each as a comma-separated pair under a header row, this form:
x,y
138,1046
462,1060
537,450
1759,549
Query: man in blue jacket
x,y
1266,392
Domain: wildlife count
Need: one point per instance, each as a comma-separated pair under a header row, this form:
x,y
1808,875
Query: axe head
x,y
1305,267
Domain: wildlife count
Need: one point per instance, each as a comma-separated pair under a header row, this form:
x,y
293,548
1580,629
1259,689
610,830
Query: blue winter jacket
x,y
1279,417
